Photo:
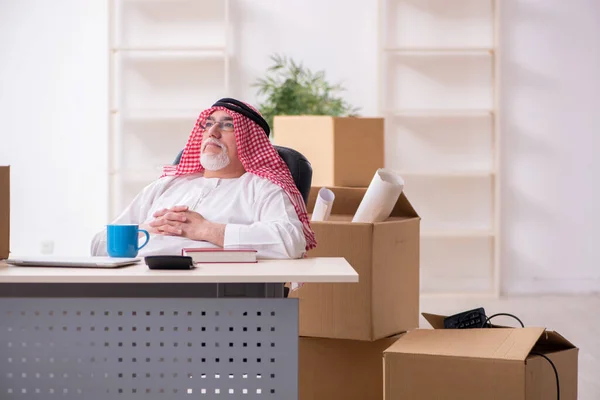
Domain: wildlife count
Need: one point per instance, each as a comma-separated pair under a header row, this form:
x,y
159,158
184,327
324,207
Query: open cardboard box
x,y
4,212
490,363
385,255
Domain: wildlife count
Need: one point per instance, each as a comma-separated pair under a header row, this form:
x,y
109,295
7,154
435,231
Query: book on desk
x,y
200,255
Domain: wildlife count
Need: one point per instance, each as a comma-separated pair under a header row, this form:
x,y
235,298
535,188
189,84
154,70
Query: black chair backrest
x,y
298,165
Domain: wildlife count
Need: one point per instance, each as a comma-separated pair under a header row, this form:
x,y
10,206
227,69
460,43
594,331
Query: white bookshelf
x,y
438,93
169,59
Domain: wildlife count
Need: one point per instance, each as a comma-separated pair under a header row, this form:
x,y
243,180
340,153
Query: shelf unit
x,y
438,92
169,59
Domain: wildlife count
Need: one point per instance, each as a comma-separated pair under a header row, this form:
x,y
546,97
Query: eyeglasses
x,y
226,126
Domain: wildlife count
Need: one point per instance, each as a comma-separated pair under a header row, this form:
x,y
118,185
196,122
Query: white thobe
x,y
258,215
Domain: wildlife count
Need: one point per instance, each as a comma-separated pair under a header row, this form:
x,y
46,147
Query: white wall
x,y
551,139
315,33
53,97
53,67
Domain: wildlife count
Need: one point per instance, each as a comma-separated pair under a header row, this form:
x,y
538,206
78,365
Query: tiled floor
x,y
577,318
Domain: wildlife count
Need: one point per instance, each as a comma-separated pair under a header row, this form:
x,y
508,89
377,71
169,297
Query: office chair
x,y
298,165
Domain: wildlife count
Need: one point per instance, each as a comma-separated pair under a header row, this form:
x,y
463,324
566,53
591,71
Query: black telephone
x,y
169,262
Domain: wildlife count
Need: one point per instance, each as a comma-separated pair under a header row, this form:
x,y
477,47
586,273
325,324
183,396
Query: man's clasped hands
x,y
181,221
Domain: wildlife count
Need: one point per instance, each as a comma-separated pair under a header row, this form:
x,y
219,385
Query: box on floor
x,y
332,369
492,363
4,212
343,151
385,255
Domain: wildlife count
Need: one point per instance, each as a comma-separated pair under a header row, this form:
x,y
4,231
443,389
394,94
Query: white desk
x,y
318,269
219,331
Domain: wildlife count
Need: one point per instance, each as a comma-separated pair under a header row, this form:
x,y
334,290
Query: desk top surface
x,y
318,269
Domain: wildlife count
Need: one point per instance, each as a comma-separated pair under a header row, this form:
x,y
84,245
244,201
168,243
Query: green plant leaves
x,y
291,89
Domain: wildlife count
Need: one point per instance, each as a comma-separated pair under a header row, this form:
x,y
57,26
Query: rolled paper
x,y
381,196
323,205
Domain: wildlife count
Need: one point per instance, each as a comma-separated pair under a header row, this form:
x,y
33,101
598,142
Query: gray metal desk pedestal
x,y
148,341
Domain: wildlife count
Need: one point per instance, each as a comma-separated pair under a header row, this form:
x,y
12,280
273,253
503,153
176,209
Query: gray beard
x,y
214,162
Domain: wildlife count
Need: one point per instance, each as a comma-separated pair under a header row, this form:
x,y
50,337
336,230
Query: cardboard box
x,y
343,151
385,255
333,369
4,212
490,363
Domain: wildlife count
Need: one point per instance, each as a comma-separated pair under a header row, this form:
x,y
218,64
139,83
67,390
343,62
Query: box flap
x,y
556,339
347,200
395,276
403,208
553,341
436,321
500,344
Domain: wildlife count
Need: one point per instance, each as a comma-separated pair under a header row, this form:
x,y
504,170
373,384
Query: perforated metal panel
x,y
106,348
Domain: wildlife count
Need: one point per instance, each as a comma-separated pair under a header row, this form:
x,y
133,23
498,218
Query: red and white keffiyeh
x,y
257,155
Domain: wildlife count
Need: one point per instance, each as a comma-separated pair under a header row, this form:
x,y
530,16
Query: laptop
x,y
73,262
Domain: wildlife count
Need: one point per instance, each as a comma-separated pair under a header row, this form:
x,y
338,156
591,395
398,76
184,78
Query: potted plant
x,y
307,113
290,88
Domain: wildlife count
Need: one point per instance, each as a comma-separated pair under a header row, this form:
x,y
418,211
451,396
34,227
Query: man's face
x,y
218,142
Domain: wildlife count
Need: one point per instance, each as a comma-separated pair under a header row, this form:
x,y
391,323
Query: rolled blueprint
x,y
323,205
381,196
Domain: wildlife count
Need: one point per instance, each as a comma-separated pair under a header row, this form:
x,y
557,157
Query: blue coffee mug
x,y
123,240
